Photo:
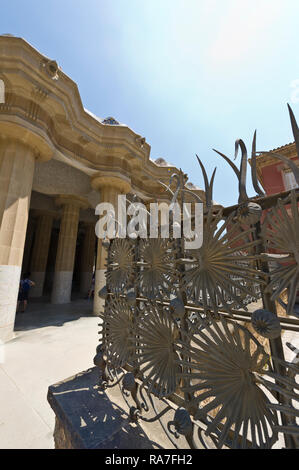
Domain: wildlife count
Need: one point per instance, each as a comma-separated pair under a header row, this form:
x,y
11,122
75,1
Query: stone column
x,y
17,162
65,258
40,253
87,257
110,187
28,244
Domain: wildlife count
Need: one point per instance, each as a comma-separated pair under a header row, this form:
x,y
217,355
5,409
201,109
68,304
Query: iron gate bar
x,y
212,368
287,324
275,344
265,202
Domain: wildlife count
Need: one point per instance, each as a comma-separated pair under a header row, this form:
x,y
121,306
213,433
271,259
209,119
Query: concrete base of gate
x,y
88,418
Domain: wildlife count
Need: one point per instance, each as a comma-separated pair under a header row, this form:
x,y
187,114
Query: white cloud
x,y
244,30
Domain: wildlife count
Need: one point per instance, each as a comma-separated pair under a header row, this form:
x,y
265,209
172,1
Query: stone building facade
x,y
274,175
57,162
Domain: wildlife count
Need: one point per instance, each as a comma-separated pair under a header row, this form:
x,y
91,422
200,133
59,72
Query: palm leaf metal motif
x,y
218,271
121,268
118,332
158,359
208,184
209,363
157,273
281,234
224,358
286,386
241,174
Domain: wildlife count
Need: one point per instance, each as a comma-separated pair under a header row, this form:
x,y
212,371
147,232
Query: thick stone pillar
x,y
65,258
87,257
40,253
110,187
17,162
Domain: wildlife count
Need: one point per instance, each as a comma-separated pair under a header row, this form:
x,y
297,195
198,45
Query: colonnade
x,y
17,162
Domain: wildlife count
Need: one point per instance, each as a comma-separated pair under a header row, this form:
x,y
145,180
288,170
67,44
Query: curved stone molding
x,y
72,200
68,154
118,182
14,130
43,105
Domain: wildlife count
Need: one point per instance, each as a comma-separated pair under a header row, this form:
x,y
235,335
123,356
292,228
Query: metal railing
x,y
176,329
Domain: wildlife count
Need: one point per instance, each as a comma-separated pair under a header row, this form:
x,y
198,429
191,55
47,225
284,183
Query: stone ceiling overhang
x,y
43,100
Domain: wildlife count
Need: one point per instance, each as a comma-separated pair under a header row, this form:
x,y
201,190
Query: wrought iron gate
x,y
176,325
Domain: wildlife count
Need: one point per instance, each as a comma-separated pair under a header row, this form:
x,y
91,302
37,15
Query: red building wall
x,y
273,179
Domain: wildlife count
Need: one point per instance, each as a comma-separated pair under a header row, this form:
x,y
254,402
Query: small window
x,y
289,180
2,92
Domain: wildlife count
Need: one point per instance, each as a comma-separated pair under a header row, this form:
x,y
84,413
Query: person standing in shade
x,y
25,286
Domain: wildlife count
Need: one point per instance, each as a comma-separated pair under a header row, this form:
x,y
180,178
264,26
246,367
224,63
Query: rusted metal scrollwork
x,y
120,265
219,275
157,275
224,357
117,332
282,235
157,357
178,336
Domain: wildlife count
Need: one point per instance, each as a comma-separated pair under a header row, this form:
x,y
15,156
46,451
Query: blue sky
x,y
188,75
